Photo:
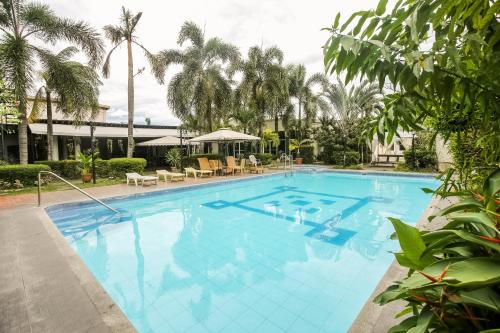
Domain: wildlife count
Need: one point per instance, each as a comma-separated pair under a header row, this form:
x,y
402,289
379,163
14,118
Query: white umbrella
x,y
224,135
164,141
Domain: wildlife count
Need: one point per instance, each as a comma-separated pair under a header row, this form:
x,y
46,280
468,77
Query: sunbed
x,y
135,177
231,165
196,172
205,165
172,176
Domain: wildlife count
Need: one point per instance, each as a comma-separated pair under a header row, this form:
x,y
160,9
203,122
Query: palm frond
x,y
106,67
190,31
113,33
35,109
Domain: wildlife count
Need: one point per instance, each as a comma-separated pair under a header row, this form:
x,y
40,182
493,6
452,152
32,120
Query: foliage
x,y
64,168
441,57
85,161
264,86
420,159
303,89
24,27
174,158
270,136
337,158
307,153
265,158
102,168
119,166
8,106
454,272
201,89
26,175
298,145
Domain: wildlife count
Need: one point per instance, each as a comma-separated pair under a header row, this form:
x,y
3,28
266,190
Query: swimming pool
x,y
295,253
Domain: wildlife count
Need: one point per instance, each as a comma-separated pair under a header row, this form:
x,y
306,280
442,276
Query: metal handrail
x,y
75,187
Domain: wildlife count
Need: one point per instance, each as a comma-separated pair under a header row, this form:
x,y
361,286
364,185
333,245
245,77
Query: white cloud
x,y
293,25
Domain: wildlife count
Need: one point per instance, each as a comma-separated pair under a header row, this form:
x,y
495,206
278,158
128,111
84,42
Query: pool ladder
x,y
287,160
73,186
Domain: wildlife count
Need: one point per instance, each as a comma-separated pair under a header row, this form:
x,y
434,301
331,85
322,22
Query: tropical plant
x,y
24,26
201,89
76,87
118,34
85,163
264,84
174,158
441,58
297,144
270,137
303,89
454,271
350,107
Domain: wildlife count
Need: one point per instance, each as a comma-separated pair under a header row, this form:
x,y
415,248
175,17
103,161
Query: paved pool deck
x,y
46,287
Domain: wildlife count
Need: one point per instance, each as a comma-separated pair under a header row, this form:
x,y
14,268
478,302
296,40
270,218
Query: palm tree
x,y
349,106
202,88
118,34
75,85
303,89
263,82
24,26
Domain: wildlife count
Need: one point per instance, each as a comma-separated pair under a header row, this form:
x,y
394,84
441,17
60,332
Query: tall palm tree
x,y
118,34
23,26
75,85
263,81
349,106
303,89
202,88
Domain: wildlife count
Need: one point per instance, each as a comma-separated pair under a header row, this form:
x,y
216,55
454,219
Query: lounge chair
x,y
134,176
196,172
173,176
231,165
205,165
216,166
255,165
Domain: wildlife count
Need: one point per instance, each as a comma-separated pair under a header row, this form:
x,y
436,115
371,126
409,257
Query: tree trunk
x,y
276,124
23,133
345,147
50,129
130,146
209,116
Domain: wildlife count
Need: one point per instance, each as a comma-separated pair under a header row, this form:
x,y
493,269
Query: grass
x,y
60,186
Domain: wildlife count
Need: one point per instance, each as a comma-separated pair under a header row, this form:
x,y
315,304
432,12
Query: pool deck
x,y
46,287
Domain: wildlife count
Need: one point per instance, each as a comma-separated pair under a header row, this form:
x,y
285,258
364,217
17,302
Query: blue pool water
x,y
300,253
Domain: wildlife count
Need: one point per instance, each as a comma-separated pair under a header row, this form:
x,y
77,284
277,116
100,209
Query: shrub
x,y
192,161
119,166
307,153
423,159
27,175
102,168
265,158
2,162
64,168
337,158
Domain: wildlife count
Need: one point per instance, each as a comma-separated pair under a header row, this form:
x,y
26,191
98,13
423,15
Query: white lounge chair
x,y
135,177
173,176
255,164
196,172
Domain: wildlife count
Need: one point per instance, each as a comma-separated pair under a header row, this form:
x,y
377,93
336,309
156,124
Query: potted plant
x,y
85,165
174,158
296,145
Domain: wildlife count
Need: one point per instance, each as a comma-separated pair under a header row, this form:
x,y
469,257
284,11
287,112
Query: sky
x,y
292,25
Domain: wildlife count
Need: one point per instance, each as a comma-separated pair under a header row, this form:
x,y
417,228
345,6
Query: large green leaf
x,y
486,298
458,219
466,204
412,245
423,322
473,272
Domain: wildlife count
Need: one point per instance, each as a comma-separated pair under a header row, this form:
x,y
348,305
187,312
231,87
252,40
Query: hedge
x,y
424,159
119,166
27,174
64,168
307,153
337,158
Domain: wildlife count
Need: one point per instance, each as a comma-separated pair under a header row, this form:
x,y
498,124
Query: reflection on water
x,y
277,253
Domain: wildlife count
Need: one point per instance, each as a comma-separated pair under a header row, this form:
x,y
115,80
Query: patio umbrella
x,y
225,135
164,141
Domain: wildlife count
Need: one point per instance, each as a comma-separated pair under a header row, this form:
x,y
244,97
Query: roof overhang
x,y
102,131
